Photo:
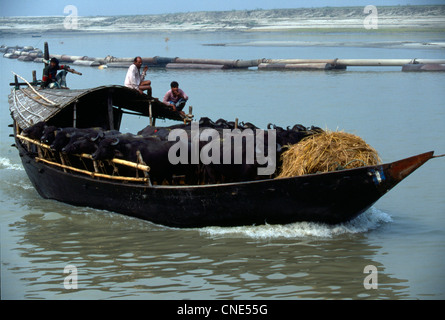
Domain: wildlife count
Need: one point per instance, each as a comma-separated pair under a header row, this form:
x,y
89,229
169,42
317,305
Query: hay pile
x,y
327,151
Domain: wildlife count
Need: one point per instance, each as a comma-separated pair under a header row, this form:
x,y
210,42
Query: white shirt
x,y
133,78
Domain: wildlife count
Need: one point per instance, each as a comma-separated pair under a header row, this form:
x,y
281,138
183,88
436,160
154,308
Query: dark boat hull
x,y
330,198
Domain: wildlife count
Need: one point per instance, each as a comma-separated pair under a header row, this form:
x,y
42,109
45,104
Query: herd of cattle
x,y
154,145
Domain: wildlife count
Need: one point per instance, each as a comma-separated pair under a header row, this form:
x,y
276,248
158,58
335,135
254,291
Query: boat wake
x,y
370,220
5,163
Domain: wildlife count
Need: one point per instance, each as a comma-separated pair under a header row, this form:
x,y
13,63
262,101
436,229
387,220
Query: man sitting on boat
x,y
51,78
175,97
135,80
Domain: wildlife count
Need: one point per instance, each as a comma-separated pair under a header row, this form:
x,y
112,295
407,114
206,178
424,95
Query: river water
x,y
116,257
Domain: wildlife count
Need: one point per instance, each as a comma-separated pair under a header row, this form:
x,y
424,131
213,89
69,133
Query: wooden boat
x,y
332,197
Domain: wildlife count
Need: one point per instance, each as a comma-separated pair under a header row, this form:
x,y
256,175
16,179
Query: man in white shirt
x,y
135,80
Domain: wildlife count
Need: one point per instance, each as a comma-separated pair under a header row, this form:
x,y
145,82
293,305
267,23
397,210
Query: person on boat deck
x,y
175,97
51,78
135,80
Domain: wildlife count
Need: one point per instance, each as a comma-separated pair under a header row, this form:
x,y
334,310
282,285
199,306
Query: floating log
x,y
296,66
423,67
194,66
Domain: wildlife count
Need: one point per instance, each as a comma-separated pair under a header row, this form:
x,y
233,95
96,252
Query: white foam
x,y
5,163
370,220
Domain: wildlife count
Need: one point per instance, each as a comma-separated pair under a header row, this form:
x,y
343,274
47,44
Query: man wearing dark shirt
x,y
175,97
51,78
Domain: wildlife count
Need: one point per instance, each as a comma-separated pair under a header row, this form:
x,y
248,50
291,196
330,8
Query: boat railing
x,y
113,169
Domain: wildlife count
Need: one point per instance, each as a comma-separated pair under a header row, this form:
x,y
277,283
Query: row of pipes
x,y
30,53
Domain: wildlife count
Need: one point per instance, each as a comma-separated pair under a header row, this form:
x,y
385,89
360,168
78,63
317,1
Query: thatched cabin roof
x,y
30,106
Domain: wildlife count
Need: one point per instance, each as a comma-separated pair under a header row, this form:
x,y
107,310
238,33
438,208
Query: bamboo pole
x,y
62,159
88,156
92,174
33,141
32,88
141,162
131,164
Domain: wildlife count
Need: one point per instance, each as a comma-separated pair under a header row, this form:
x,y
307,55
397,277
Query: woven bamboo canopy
x,y
84,108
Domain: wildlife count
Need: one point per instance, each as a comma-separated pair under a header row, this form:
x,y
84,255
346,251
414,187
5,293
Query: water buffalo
x,y
242,153
35,131
154,153
288,136
161,132
49,134
87,143
66,135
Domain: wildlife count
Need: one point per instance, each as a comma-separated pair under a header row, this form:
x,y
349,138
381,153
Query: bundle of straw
x,y
327,151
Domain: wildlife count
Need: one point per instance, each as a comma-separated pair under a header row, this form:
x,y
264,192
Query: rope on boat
x,y
35,91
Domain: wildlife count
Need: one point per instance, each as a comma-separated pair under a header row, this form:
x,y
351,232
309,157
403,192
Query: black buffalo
x,y
286,137
236,167
87,143
66,135
49,134
35,131
154,153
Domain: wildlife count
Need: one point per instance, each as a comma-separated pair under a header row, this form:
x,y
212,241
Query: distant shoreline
x,y
326,19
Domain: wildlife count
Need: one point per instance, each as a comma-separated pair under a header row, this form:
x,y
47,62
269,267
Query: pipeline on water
x,y
29,53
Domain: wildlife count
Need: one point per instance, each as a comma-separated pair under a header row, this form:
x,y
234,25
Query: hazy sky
x,y
128,7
